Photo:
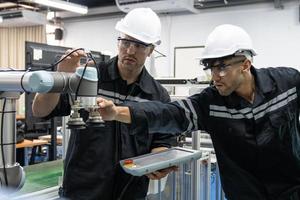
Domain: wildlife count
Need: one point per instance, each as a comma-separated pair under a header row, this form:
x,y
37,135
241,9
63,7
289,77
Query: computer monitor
x,y
42,56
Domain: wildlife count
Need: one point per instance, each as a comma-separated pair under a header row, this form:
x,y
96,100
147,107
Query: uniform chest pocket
x,y
281,118
283,122
286,127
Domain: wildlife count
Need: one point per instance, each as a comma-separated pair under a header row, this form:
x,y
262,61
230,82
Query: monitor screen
x,y
42,56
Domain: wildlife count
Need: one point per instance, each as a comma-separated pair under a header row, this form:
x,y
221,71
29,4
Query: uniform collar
x,y
145,81
263,85
263,81
113,72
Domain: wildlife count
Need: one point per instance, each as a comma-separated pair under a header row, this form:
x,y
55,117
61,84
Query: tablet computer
x,y
151,162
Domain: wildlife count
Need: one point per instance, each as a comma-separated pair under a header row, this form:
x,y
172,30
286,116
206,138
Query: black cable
x,y
2,146
64,57
46,68
52,65
90,57
73,100
124,190
96,64
80,80
126,187
13,70
22,86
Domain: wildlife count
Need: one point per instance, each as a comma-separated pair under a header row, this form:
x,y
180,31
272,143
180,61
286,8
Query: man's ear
x,y
246,65
151,51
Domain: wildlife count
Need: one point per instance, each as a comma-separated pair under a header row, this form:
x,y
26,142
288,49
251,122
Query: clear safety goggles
x,y
221,68
138,45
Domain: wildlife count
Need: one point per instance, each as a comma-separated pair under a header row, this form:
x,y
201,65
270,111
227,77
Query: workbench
x,y
23,150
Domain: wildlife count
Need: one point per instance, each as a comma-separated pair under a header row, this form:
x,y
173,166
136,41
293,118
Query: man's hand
x,y
71,62
157,175
109,111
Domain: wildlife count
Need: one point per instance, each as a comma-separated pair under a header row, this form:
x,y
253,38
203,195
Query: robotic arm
x,y
83,82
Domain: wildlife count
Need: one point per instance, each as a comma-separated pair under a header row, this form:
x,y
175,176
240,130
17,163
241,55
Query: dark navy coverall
x,y
92,170
257,145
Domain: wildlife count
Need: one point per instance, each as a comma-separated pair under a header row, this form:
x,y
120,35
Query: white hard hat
x,y
227,40
142,24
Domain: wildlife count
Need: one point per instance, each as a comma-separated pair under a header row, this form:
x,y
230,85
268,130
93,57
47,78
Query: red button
x,y
128,161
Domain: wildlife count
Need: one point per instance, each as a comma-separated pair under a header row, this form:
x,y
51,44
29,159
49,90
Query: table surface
x,y
59,138
20,117
31,143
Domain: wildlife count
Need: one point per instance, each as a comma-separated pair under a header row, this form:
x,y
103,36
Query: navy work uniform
x,y
257,145
92,169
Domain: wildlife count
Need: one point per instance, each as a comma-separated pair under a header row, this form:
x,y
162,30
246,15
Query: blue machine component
x,y
40,81
89,74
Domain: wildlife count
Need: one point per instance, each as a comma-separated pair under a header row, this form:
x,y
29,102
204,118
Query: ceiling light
x,y
27,6
63,5
7,4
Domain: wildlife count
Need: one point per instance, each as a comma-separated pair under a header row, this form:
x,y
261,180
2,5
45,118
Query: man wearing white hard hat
x,y
251,114
92,170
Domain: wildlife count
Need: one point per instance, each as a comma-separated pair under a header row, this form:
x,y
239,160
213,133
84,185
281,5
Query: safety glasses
x,y
221,68
126,43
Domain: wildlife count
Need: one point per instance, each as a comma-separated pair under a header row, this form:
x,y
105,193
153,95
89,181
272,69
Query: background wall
x,y
275,33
